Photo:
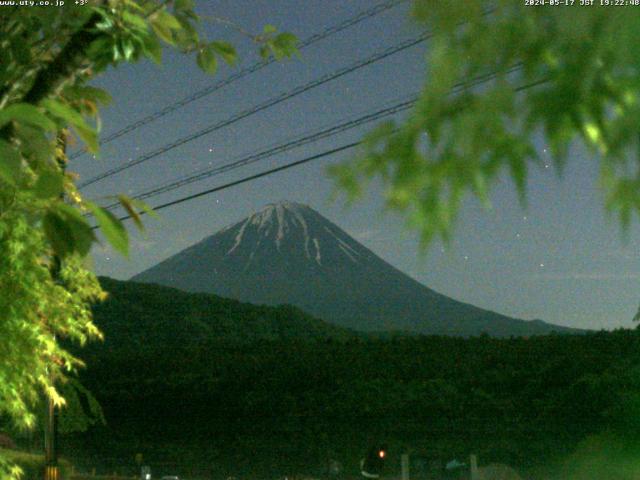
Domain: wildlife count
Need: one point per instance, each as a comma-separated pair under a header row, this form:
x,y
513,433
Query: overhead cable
x,y
287,166
387,52
327,32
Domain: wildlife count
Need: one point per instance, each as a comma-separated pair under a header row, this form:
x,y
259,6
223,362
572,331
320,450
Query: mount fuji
x,y
287,253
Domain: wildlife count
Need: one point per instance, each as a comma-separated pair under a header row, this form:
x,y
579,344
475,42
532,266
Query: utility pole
x,y
50,442
404,466
52,471
473,467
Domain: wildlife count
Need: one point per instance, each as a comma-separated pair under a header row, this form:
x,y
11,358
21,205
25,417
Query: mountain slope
x,y
289,253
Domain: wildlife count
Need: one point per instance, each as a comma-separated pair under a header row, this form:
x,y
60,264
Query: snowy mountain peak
x,y
294,228
288,205
280,214
289,253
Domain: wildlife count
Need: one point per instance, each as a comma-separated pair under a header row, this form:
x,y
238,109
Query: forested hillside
x,y
139,316
284,402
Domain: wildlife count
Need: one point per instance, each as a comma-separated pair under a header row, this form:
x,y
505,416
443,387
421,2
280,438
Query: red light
x,y
381,453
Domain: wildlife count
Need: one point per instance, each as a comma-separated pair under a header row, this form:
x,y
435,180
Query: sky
x,y
561,259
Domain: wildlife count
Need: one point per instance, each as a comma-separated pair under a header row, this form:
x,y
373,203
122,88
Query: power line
x,y
327,32
300,141
264,105
250,178
265,173
253,158
271,102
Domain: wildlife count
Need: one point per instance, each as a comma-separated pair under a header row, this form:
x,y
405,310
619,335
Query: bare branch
x,y
231,24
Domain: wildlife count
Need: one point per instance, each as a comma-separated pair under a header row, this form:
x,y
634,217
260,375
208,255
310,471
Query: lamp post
x,y
51,470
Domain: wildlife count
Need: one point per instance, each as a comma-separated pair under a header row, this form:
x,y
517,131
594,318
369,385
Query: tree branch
x,y
158,7
71,58
69,61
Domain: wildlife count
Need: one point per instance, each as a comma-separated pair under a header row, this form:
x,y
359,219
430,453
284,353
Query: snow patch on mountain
x,y
346,252
305,230
238,239
281,224
318,257
344,246
285,221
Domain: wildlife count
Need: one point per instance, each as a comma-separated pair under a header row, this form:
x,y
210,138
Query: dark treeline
x,y
281,404
517,401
